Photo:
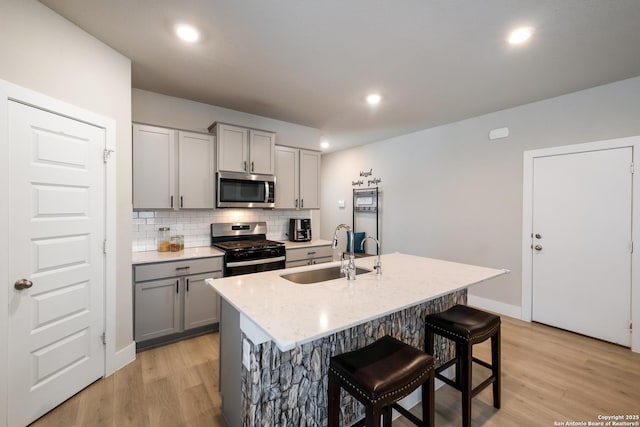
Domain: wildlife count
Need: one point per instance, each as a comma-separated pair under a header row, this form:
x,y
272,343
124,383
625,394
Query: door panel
x,y
157,308
57,224
309,179
196,171
153,167
582,264
200,301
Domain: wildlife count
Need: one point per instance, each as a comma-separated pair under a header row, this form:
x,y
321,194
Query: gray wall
x,y
162,110
44,52
450,193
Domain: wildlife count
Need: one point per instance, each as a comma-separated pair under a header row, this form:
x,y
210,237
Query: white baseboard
x,y
495,306
125,356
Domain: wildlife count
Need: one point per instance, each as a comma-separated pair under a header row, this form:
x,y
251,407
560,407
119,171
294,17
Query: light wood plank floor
x,y
549,376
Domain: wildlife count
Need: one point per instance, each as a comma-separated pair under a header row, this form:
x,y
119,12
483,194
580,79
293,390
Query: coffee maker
x,y
300,230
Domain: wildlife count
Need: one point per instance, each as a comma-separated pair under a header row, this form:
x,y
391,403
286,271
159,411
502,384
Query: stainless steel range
x,y
246,248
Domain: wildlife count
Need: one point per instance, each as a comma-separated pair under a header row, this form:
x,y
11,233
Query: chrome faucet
x,y
378,265
350,270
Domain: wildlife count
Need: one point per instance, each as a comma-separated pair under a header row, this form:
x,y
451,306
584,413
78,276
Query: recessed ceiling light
x,y
187,33
374,99
324,144
520,35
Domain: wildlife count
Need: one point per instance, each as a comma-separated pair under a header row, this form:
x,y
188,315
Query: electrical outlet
x,y
246,354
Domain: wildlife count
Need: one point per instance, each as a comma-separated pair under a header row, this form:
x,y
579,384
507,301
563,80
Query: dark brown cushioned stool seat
x,y
466,326
379,375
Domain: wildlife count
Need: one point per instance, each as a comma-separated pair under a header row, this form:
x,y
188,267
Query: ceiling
x,y
313,62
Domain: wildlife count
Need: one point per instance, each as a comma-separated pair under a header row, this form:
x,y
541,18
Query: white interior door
x,y
581,263
57,228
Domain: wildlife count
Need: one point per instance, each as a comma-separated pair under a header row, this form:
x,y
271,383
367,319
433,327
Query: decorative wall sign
x,y
366,176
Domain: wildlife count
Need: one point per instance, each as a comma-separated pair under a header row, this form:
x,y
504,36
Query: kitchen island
x,y
276,336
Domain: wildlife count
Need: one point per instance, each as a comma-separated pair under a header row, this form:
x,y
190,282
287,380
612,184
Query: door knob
x,y
538,236
23,284
537,247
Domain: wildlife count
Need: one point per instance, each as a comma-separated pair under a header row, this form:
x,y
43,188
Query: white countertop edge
x,y
253,331
258,336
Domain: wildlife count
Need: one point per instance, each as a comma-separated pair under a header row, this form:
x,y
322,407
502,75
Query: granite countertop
x,y
290,314
147,257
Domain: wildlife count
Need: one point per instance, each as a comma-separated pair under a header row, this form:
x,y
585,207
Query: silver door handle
x,y
23,284
537,247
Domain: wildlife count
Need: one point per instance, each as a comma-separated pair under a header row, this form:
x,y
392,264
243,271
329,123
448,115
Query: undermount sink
x,y
320,275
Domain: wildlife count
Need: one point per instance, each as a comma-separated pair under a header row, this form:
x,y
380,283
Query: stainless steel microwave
x,y
239,190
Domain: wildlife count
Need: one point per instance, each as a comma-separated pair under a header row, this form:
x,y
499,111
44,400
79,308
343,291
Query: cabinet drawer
x,y
176,268
309,253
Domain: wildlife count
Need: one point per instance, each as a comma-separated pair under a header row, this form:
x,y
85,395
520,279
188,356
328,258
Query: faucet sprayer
x,y
378,265
350,270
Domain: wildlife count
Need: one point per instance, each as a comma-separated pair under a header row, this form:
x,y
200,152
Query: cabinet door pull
x,y
177,288
187,284
171,201
183,268
296,203
245,166
302,203
252,167
311,253
181,201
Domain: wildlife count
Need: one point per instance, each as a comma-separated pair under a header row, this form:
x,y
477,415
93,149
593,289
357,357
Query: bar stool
x,y
467,326
378,376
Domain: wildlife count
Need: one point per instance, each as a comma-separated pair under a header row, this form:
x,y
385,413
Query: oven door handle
x,y
255,261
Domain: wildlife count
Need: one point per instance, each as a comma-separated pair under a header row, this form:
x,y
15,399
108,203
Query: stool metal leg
x,y
428,338
465,360
386,416
428,401
333,402
372,417
496,368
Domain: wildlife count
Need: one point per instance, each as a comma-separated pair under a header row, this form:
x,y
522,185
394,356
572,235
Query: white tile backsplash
x,y
195,225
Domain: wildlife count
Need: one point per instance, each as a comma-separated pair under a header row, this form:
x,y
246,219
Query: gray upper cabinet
x,y
153,167
172,169
309,179
297,178
245,150
196,170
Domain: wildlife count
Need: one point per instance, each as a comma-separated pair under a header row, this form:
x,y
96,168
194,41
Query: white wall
x,y
43,52
450,193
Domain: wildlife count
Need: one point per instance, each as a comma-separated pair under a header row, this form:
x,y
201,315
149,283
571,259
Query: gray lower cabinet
x,y
172,300
309,255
